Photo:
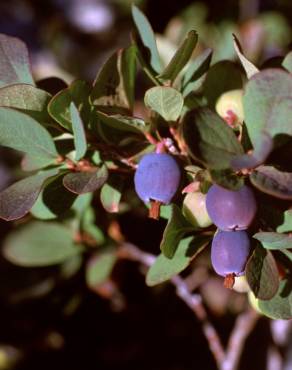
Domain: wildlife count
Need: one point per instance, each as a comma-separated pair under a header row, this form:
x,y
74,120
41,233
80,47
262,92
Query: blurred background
x,y
48,316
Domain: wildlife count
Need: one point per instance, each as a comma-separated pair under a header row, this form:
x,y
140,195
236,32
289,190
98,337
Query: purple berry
x,y
229,252
157,178
231,210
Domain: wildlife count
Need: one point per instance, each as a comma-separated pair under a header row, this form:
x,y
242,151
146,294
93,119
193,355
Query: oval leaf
x,y
18,199
40,244
115,83
99,268
166,101
85,182
209,139
280,306
164,268
267,104
272,181
21,132
54,200
262,273
15,65
180,58
111,193
147,38
59,106
270,240
28,99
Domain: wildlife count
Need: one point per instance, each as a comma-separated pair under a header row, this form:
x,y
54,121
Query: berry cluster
x,y
232,212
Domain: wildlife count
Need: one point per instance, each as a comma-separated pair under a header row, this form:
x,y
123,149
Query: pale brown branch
x,y
243,327
225,360
193,301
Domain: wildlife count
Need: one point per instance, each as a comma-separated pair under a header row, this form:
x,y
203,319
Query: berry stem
x,y
229,281
154,211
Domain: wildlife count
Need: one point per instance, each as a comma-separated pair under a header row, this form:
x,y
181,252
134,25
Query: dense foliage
x,y
82,148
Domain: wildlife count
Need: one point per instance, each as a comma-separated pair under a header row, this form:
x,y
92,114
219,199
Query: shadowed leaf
x,y
18,199
85,182
272,181
262,273
176,228
209,139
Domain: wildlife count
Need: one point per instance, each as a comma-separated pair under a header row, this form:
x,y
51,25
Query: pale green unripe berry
x,y
240,284
194,209
254,302
229,107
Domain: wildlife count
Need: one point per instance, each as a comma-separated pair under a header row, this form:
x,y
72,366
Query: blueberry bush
x,y
210,147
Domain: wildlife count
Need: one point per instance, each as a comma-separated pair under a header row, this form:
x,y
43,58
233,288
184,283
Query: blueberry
x,y
229,252
157,178
231,210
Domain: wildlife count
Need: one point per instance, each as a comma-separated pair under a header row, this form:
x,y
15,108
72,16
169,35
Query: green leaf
x,y
40,244
147,38
27,99
180,58
176,228
260,153
286,226
78,132
221,77
267,104
164,268
54,200
227,179
271,240
15,65
17,199
115,83
196,70
99,268
271,181
89,227
249,68
30,163
111,193
280,306
209,139
166,101
59,107
21,132
287,62
262,273
122,123
85,182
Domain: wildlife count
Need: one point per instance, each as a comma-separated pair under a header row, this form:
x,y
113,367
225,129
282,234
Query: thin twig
x,y
193,301
225,360
242,328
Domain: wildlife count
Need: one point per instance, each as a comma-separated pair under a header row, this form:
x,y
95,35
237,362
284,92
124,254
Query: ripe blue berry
x,y
231,210
157,178
229,252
